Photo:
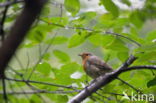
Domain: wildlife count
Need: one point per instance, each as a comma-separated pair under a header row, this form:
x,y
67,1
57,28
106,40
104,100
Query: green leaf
x,y
62,98
127,2
122,56
58,98
84,18
147,47
136,19
105,21
37,36
151,36
38,33
72,6
96,39
117,45
121,22
146,56
61,55
111,7
65,71
46,56
151,83
44,68
76,40
100,39
57,40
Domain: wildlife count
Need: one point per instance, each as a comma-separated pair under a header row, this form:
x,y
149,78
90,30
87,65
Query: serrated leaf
x,y
72,6
61,55
111,7
151,83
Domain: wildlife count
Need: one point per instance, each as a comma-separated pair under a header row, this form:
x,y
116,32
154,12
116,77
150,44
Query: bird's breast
x,y
85,63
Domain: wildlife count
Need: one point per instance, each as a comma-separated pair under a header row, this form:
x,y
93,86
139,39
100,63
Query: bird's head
x,y
85,54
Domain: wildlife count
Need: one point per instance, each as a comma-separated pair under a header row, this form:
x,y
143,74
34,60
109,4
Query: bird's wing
x,y
94,60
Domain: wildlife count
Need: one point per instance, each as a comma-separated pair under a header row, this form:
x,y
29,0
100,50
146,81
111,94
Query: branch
x,y
19,30
152,67
106,79
4,90
38,82
2,22
36,92
92,30
10,3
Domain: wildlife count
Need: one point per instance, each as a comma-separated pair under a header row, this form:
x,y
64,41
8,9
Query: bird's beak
x,y
79,54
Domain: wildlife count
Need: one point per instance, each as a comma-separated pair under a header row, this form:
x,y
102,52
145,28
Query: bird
x,y
94,66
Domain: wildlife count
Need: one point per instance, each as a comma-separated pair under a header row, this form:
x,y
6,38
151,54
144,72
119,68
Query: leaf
x,y
147,47
136,19
39,33
46,56
117,45
127,2
76,40
57,40
58,98
65,71
122,56
105,21
146,56
96,39
72,6
61,55
44,68
111,7
151,83
151,36
100,40
37,36
85,18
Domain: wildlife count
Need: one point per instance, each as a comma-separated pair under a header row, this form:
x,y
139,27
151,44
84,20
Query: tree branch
x,y
10,3
36,92
38,82
106,79
18,31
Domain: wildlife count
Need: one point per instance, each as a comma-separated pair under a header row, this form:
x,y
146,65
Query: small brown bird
x,y
94,66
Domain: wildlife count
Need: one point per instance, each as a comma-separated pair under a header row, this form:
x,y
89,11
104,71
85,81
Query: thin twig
x,y
10,3
36,92
2,22
91,30
4,90
38,82
40,58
